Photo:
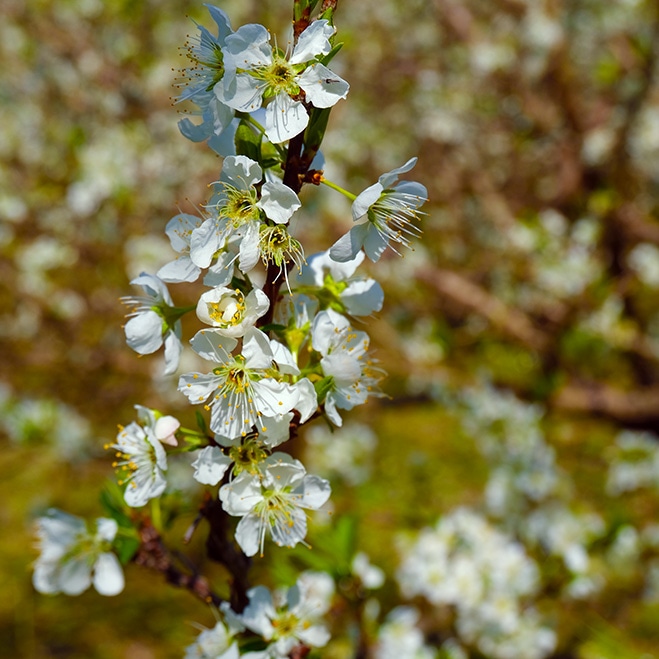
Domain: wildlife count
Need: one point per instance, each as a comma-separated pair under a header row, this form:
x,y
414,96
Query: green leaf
x,y
201,422
330,56
126,542
248,142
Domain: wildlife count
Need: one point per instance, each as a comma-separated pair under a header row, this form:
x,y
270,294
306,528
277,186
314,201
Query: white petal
x,y
179,270
388,179
222,21
365,200
278,202
256,349
75,576
153,286
322,87
143,487
106,528
193,132
45,578
249,247
173,349
313,41
241,495
179,228
197,386
374,242
363,297
315,491
240,91
348,246
284,118
331,411
307,402
108,576
165,428
248,534
284,358
211,344
241,171
291,532
144,332
210,466
204,242
248,47
272,398
277,429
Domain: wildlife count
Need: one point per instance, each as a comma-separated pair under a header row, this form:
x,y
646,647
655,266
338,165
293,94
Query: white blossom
x,y
285,621
351,372
255,72
273,502
72,558
243,388
390,209
231,311
140,459
154,321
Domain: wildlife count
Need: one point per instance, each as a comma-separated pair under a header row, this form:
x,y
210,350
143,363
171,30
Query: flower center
x,y
229,311
248,456
286,624
279,77
279,247
240,206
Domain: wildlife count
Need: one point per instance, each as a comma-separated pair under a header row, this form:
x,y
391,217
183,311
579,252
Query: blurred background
x,y
521,334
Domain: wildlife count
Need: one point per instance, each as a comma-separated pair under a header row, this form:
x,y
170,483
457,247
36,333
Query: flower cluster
x,y
275,344
466,563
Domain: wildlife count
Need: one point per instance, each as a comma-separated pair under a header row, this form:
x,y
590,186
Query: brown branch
x,y
634,224
637,407
509,321
221,549
154,555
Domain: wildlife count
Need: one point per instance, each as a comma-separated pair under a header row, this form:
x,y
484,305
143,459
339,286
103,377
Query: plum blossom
x,y
273,502
154,320
339,288
256,73
244,388
231,311
141,459
246,454
72,558
199,81
179,231
218,642
350,374
240,213
286,620
390,209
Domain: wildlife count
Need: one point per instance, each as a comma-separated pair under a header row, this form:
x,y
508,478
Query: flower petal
x,y
284,118
108,576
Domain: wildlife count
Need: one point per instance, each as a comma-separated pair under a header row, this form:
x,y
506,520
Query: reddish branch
x,y
223,550
154,555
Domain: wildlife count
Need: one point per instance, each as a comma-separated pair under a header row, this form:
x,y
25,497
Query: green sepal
x,y
326,59
201,422
328,14
314,134
248,142
126,542
273,327
323,386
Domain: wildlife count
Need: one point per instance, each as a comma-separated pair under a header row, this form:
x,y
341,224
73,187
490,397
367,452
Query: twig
x,y
154,555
